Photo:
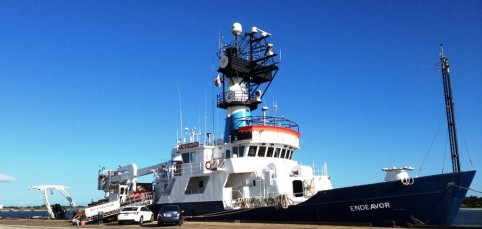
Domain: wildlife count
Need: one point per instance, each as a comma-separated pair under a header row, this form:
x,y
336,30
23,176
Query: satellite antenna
x,y
264,109
237,29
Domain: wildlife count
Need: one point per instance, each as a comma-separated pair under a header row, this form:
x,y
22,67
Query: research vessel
x,y
249,174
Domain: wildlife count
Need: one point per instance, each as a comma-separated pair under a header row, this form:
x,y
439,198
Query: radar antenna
x,y
449,107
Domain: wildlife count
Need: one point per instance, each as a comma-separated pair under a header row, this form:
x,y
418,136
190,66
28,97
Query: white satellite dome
x,y
237,29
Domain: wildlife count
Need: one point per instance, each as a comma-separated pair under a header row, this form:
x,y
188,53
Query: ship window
x,y
252,151
241,151
193,156
288,152
270,152
238,151
277,152
283,151
185,157
262,151
189,157
228,153
297,188
291,154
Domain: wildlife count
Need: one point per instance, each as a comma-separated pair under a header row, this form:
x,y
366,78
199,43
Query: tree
x,y
472,202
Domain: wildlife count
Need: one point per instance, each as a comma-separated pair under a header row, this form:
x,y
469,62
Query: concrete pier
x,y
45,223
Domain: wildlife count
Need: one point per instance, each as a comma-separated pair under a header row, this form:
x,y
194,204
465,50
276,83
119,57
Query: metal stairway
x,y
106,210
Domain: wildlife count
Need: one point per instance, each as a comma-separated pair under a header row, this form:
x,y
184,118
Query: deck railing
x,y
265,121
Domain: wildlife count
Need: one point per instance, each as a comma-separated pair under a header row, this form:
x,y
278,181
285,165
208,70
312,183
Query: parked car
x,y
138,214
171,214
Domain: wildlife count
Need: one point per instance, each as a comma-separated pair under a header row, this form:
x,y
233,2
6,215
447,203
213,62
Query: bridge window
x,y
228,153
261,151
283,152
270,152
277,152
252,151
289,154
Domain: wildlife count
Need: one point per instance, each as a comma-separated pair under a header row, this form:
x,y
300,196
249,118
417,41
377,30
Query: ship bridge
x,y
259,129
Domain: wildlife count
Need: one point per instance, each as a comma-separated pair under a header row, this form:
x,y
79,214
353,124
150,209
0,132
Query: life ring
x,y
208,165
407,181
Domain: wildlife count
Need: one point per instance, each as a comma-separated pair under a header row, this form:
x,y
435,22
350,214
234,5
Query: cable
x,y
431,144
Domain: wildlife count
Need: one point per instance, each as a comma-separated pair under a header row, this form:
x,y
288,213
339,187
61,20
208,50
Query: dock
x,y
46,223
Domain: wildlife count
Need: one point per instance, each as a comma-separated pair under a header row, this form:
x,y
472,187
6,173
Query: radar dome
x,y
237,29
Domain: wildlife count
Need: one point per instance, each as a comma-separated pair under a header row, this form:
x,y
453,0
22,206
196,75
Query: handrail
x,y
266,121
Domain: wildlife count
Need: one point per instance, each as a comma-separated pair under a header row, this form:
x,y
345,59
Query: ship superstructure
x,y
252,165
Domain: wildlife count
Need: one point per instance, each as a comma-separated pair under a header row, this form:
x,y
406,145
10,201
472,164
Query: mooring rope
x,y
470,189
215,214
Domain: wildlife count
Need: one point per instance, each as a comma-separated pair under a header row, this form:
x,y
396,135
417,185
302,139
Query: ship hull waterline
x,y
430,200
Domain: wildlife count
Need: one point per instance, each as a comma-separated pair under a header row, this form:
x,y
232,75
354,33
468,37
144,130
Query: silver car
x,y
137,214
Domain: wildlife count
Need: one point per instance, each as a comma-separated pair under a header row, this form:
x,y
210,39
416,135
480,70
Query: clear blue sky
x,y
90,83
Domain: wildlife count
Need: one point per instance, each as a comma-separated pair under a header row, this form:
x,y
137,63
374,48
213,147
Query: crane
x,y
45,188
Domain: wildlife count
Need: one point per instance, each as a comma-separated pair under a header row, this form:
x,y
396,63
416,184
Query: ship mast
x,y
449,106
248,67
